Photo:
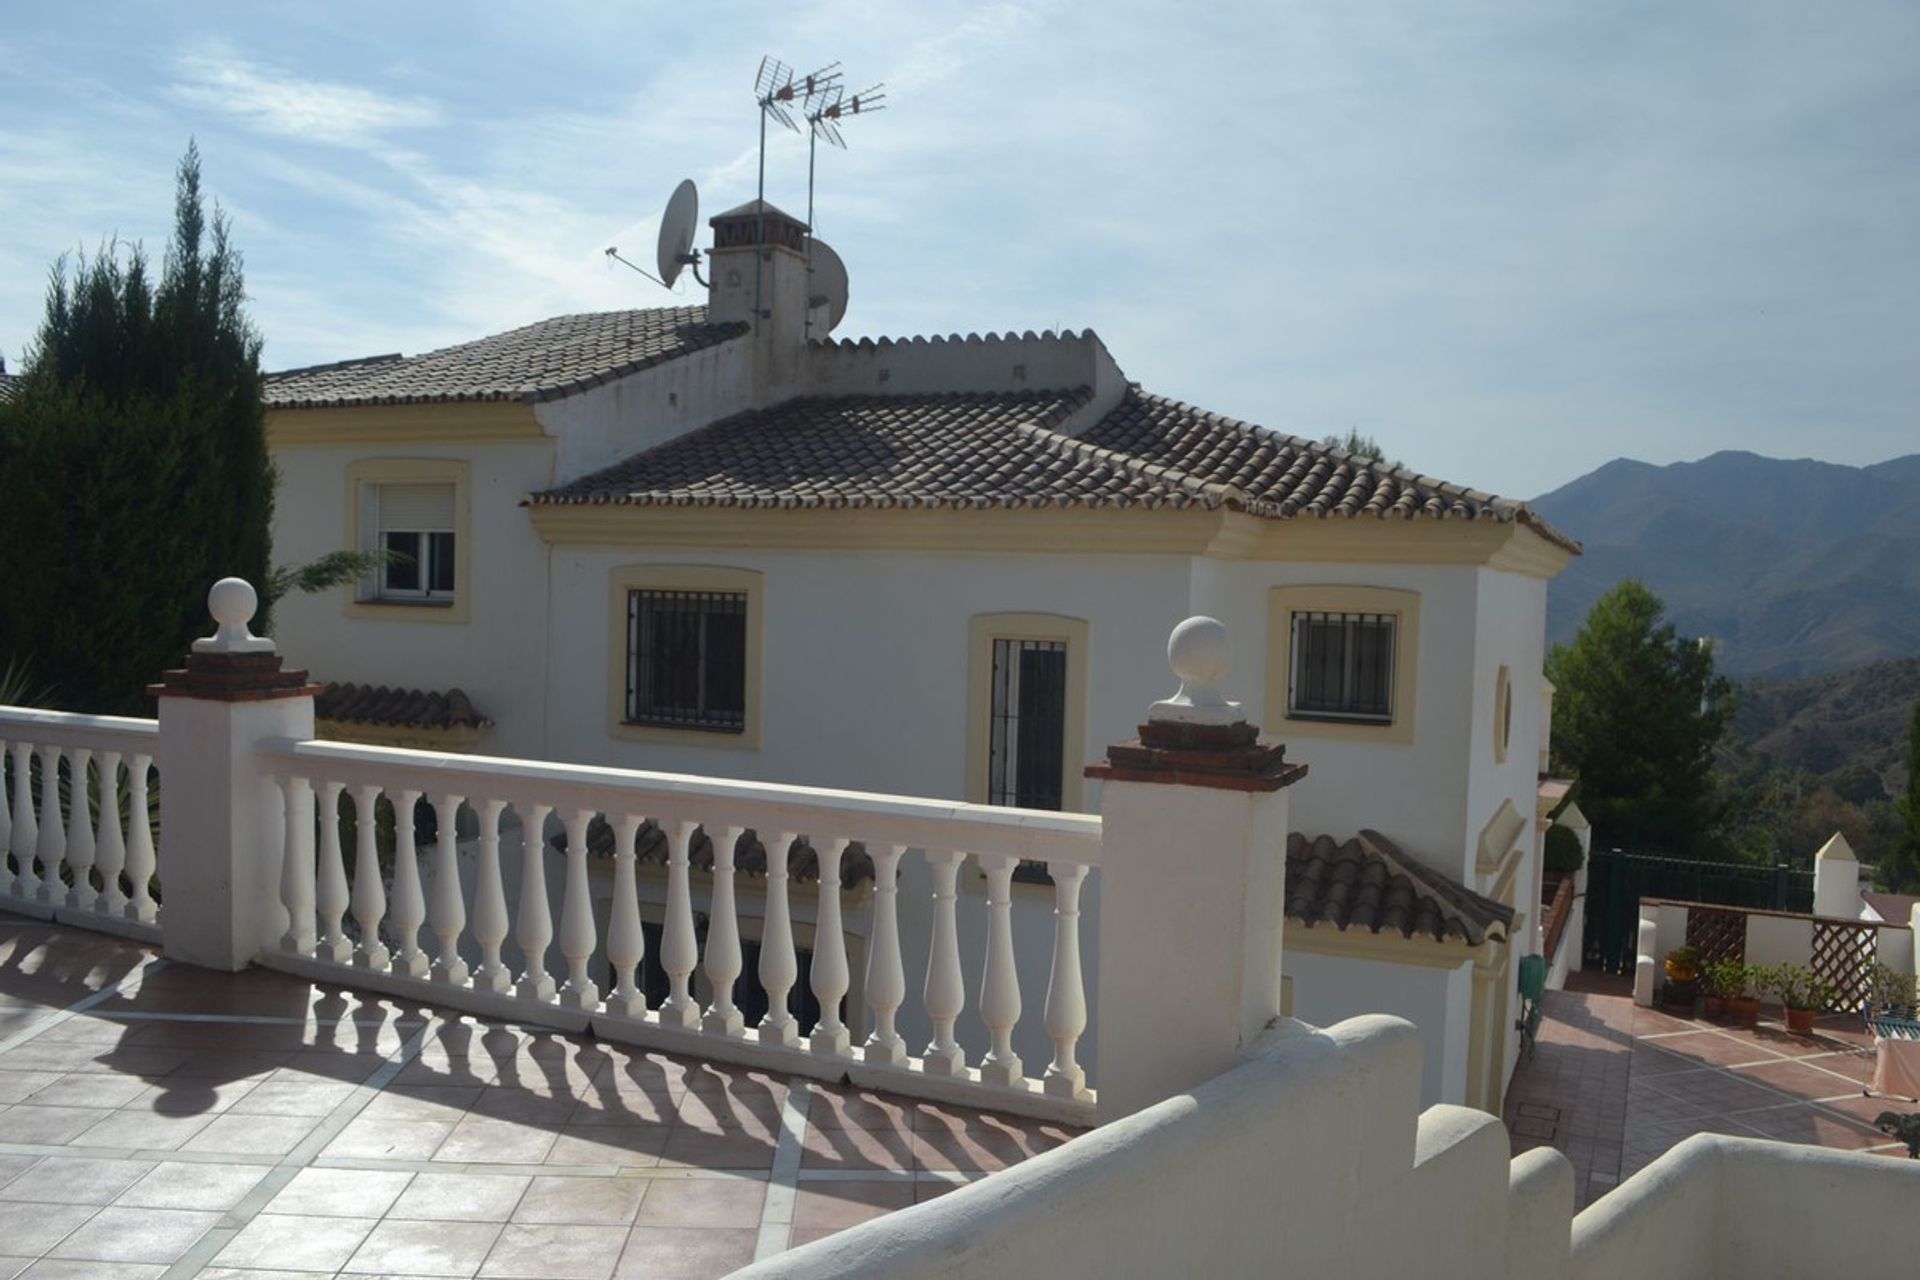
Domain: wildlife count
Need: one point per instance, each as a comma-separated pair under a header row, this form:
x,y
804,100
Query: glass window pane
x,y
440,563
402,573
687,659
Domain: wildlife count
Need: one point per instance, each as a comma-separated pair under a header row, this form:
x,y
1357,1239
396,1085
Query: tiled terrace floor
x,y
1614,1086
158,1120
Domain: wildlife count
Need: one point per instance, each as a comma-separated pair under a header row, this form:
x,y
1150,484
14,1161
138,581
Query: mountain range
x,y
1793,567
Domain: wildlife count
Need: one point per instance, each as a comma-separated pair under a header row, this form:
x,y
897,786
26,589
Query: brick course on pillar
x,y
221,828
1193,885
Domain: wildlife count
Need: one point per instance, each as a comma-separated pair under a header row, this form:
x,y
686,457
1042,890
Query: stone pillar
x,y
1192,885
220,829
1836,880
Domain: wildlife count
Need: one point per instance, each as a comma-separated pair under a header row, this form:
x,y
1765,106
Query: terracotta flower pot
x,y
1745,1010
1714,1006
1800,1021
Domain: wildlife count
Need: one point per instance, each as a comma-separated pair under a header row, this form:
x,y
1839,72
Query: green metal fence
x,y
1616,881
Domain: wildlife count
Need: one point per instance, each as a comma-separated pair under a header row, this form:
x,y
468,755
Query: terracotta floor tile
x,y
422,1102
183,1185
295,1243
596,1202
379,1138
307,1097
836,1108
984,1145
1813,1126
461,1197
866,1149
729,1149
479,1140
702,1202
1797,1078
18,1086
684,1253
137,1235
251,1135
425,1248
88,1090
555,1253
831,1206
629,1146
143,1130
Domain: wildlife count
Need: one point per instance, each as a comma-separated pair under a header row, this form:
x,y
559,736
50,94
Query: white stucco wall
x,y
598,428
1328,989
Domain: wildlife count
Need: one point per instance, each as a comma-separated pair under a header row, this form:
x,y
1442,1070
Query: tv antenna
x,y
674,249
778,91
825,114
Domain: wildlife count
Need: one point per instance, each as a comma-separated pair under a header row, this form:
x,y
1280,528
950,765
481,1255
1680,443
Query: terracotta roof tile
x,y
1006,449
397,708
1368,883
537,362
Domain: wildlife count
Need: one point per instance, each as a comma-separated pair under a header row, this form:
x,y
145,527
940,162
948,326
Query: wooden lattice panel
x,y
1843,954
1717,935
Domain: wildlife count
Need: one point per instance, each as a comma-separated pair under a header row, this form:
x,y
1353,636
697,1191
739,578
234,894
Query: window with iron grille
x,y
687,659
414,525
1342,667
1027,731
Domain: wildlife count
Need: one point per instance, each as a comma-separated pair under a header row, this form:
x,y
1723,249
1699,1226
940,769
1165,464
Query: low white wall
x,y
1779,939
1307,1160
1740,1207
1894,947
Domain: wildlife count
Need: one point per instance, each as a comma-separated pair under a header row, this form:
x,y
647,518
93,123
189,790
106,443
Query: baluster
x,y
26,832
449,915
330,890
1066,1010
779,967
679,953
886,976
535,931
490,904
296,865
369,894
140,856
409,911
723,940
110,850
6,824
946,993
1000,984
80,842
577,936
829,971
626,940
52,845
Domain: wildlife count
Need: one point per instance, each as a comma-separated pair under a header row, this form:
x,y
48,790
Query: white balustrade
x,y
655,824
61,793
297,876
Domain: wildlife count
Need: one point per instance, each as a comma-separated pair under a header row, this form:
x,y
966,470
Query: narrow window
x,y
687,659
414,525
1342,667
1027,733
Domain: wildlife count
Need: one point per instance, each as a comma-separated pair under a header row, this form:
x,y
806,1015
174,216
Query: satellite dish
x,y
677,227
828,286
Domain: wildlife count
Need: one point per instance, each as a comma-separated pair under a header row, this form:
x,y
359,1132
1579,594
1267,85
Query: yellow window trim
x,y
1284,602
982,631
1388,946
684,577
372,471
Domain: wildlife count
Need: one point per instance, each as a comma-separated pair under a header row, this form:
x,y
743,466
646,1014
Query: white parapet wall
x,y
1309,1159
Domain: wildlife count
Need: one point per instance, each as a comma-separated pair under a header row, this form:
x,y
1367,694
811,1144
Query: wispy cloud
x,y
273,100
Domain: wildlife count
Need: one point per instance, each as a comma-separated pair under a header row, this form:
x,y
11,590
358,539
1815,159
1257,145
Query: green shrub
x,y
1563,850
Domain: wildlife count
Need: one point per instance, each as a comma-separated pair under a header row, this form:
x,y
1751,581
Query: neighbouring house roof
x,y
367,704
1893,908
1006,449
750,856
1368,883
536,362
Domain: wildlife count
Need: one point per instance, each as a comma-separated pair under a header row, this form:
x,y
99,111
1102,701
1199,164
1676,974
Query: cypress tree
x,y
134,469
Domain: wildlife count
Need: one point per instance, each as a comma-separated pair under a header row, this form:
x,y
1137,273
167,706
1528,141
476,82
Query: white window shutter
x,y
422,507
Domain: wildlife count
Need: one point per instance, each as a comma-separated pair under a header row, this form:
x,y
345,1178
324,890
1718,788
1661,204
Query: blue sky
x,y
1511,240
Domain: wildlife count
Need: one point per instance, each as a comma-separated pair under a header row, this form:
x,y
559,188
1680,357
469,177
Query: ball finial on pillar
x,y
233,602
1200,653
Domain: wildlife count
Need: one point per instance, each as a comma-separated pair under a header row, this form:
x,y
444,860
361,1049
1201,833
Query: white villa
x,y
706,541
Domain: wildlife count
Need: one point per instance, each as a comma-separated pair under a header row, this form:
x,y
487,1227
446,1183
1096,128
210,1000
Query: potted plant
x,y
1718,980
1802,994
1742,985
1683,976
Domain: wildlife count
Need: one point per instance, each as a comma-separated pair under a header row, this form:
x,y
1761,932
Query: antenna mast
x,y
825,113
777,89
